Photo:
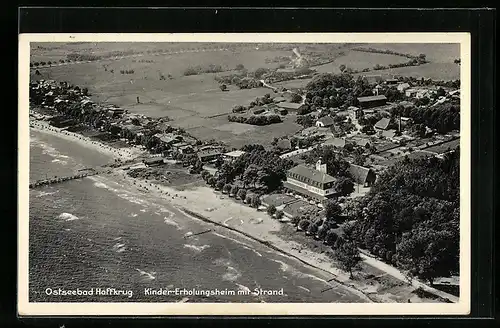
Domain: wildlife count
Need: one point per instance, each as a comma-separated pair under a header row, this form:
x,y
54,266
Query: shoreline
x,y
198,204
123,154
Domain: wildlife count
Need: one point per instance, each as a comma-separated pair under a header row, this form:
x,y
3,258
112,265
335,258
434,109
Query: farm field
x,y
435,52
435,71
358,60
43,51
194,103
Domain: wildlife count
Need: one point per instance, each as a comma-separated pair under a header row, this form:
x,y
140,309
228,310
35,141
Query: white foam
x,y
302,287
101,185
147,274
68,217
173,223
196,248
43,193
231,275
133,215
243,288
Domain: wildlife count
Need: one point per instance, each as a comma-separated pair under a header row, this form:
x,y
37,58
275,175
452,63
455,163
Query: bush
x,y
248,199
279,215
241,194
255,201
234,190
304,224
271,209
227,188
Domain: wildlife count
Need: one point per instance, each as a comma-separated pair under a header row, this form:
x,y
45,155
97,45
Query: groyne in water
x,y
53,180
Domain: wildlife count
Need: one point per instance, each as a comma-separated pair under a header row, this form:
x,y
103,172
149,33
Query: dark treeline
x,y
410,218
444,117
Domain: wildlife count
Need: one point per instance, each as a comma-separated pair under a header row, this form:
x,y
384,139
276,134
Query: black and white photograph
x,y
249,174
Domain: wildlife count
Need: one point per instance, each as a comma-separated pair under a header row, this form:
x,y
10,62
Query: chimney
x,y
320,167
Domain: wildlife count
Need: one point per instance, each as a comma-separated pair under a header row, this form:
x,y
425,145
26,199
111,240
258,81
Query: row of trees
x,y
127,71
255,119
211,68
232,190
444,117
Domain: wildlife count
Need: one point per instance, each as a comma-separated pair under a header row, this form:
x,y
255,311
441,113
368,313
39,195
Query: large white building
x,y
311,182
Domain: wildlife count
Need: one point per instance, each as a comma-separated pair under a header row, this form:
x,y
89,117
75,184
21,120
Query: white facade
x,y
312,189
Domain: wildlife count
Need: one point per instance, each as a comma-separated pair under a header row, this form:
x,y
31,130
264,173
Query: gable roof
x,y
371,98
288,105
326,120
359,173
383,123
235,153
311,175
389,133
337,142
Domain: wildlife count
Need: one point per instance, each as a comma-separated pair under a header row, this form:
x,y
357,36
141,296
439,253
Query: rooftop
x,y
289,105
311,174
371,98
383,123
235,153
326,120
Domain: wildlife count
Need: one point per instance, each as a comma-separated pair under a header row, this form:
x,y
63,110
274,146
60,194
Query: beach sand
x,y
116,153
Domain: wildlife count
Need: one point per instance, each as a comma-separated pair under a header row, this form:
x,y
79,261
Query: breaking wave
x,y
68,217
196,248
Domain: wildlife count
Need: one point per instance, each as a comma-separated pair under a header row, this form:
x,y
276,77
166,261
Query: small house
x,y
362,175
209,155
233,155
325,122
372,101
402,87
382,124
154,161
289,106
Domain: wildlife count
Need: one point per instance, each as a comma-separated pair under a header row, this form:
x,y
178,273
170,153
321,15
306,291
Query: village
x,y
353,129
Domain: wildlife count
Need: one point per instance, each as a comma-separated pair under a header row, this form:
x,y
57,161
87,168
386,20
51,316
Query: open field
x,y
194,103
435,71
435,52
358,60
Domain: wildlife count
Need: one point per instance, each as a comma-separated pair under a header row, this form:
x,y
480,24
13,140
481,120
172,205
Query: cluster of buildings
x,y
68,100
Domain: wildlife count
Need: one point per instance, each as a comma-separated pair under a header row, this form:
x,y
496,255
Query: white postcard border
x,y
126,309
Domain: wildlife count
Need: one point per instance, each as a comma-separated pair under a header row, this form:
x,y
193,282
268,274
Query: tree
x,y
279,215
212,181
303,224
312,229
348,256
241,194
248,199
296,98
255,201
322,231
342,68
295,220
240,67
223,87
219,185
271,209
259,72
331,237
234,190
344,186
332,208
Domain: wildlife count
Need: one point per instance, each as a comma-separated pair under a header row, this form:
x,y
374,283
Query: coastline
x,y
203,203
123,154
